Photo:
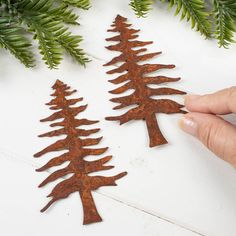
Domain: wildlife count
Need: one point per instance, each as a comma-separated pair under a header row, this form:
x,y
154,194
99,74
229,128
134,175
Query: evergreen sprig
x,y
141,7
194,11
225,15
83,4
11,38
46,20
217,20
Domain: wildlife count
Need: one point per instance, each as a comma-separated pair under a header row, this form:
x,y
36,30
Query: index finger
x,y
219,103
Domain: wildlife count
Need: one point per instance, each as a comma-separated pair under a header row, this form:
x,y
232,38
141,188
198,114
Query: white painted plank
x,y
182,181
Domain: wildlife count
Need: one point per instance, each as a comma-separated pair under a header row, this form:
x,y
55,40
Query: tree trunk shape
x,y
91,214
156,137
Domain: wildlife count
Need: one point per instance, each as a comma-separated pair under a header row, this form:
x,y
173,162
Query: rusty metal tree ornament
x,y
135,76
77,150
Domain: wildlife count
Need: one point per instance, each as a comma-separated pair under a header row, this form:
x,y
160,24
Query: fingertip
x,y
188,125
214,132
191,102
191,97
219,103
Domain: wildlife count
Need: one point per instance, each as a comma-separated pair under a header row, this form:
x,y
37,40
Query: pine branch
x,y
141,7
225,14
46,19
65,14
12,39
195,11
83,4
71,44
223,21
44,30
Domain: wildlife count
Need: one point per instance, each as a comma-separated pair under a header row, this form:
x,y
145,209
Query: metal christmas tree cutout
x,y
134,75
76,150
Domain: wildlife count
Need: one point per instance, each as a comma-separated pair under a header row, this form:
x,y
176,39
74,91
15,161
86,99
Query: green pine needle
x,y
46,20
12,39
141,7
44,29
219,20
71,44
194,11
225,14
65,14
83,4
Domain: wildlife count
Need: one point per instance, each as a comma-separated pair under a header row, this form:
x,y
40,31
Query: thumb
x,y
215,133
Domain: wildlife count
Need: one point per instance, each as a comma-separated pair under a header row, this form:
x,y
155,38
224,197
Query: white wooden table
x,y
180,189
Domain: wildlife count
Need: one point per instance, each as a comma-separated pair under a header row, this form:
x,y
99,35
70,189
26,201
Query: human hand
x,y
214,132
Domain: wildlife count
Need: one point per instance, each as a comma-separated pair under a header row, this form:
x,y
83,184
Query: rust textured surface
x,y
77,149
134,76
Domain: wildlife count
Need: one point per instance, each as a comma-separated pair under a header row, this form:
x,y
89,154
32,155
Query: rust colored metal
x,y
135,76
76,150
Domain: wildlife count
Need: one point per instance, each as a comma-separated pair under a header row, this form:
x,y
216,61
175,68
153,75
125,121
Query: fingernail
x,y
188,125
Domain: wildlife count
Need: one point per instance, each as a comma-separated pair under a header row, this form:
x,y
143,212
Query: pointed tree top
x,y
120,18
60,86
57,84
